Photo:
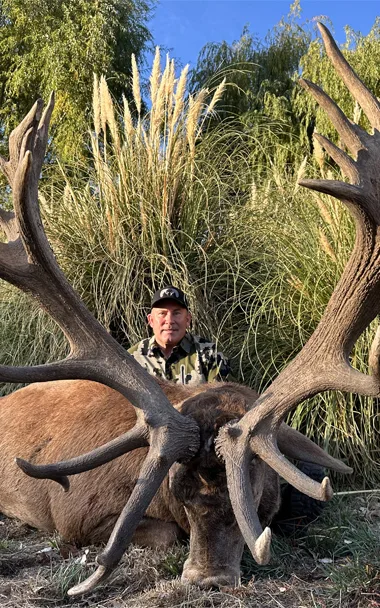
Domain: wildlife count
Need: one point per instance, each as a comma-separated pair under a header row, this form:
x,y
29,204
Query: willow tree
x,y
57,45
260,83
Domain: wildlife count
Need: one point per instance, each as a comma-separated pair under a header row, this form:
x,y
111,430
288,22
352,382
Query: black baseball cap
x,y
170,293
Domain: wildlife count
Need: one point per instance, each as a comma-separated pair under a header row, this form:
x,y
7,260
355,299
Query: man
x,y
173,352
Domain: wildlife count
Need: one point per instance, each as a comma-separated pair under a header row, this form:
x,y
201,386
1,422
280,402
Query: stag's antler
x,y
323,363
28,262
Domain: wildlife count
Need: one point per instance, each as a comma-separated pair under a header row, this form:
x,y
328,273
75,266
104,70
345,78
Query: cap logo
x,y
169,293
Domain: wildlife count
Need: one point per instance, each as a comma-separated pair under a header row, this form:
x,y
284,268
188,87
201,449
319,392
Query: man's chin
x,y
171,338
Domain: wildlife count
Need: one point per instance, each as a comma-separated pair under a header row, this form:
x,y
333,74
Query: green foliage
x,y
255,70
57,45
260,79
174,560
341,548
238,63
67,575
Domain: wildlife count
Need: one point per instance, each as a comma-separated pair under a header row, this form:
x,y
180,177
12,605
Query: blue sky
x,y
184,26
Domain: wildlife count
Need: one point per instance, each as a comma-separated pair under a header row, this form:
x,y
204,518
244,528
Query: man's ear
x,y
150,321
189,319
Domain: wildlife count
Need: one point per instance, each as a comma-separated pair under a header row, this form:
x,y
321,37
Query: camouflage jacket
x,y
193,361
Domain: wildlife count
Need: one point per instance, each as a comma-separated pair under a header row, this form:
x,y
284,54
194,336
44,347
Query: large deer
x,y
175,445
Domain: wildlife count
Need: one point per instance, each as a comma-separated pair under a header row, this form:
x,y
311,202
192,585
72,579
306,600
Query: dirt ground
x,y
336,564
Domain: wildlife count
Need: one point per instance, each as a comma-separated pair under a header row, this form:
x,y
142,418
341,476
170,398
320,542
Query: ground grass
x,y
335,565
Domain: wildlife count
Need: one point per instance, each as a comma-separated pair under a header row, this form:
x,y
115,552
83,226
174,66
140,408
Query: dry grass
x,y
336,565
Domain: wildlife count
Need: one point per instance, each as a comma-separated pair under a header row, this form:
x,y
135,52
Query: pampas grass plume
x,y
194,112
217,96
136,84
323,209
96,106
155,76
179,98
128,124
326,245
107,111
300,173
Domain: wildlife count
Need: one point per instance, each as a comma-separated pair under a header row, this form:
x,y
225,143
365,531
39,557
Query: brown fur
x,y
52,421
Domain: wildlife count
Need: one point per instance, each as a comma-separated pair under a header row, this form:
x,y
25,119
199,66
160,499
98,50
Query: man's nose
x,y
169,317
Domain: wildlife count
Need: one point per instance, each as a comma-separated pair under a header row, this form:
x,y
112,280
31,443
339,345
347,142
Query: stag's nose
x,y
216,577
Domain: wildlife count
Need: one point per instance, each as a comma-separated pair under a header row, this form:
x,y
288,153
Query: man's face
x,y
169,322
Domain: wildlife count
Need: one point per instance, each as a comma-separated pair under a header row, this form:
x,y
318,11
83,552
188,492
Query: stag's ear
x,y
295,445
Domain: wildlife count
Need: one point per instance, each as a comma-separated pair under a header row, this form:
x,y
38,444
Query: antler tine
x,y
340,190
16,139
135,438
368,102
25,190
18,144
241,495
345,162
151,476
348,132
294,444
323,363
